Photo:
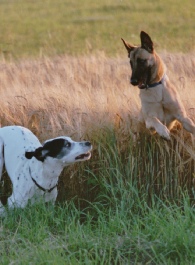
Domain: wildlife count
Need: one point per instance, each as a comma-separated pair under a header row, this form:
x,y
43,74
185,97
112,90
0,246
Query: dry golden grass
x,y
81,96
75,95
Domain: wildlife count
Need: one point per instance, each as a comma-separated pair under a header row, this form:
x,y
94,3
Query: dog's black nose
x,y
87,143
134,82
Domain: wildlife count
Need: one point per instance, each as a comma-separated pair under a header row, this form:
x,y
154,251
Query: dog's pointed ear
x,y
38,154
128,46
146,42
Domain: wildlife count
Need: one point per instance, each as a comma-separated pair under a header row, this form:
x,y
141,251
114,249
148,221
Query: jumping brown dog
x,y
161,105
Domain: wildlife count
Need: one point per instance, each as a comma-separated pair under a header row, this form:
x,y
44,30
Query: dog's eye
x,y
141,61
67,144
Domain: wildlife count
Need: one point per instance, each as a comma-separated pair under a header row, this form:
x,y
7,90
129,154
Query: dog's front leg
x,y
161,129
51,196
17,201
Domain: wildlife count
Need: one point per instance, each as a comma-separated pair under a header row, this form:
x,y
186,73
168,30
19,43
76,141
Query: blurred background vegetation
x,y
33,28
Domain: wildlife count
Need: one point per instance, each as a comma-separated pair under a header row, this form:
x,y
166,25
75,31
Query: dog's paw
x,y
166,134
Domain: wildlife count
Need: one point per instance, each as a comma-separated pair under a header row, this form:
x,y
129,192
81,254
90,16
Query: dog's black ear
x,y
128,46
29,155
146,42
37,154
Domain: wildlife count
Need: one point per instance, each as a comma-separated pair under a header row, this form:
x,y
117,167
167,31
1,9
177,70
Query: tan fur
x,y
161,105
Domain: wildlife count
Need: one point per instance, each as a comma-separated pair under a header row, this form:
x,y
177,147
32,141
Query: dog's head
x,y
145,64
64,149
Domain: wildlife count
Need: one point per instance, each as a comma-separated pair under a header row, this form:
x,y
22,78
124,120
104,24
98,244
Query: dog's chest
x,y
27,175
151,95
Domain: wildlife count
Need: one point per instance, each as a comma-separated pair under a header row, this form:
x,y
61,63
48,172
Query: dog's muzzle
x,y
133,81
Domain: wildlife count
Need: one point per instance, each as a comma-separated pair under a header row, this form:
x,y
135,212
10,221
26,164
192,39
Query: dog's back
x,y
14,142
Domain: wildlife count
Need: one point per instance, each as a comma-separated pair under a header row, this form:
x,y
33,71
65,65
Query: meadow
x,y
133,201
38,28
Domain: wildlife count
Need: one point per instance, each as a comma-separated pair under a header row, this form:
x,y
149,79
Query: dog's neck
x,y
158,71
41,187
47,172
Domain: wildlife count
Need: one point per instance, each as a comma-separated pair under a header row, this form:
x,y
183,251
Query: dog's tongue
x,y
141,85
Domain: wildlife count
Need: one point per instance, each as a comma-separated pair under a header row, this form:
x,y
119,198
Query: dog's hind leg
x,y
187,123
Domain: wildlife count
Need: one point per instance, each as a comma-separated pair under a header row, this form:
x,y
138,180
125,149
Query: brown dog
x,y
160,101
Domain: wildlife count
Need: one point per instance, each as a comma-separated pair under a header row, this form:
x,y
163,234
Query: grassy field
x,y
133,202
36,28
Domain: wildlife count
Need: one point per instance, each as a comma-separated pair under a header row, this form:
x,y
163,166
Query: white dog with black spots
x,y
34,168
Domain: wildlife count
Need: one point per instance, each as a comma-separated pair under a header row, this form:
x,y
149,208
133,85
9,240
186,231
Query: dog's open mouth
x,y
84,156
142,83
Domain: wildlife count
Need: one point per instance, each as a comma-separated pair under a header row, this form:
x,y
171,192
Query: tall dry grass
x,y
66,94
75,95
83,96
